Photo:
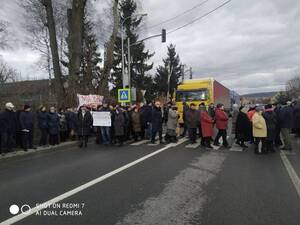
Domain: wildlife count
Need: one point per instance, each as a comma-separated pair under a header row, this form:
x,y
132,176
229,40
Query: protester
x,y
146,113
192,117
278,142
26,123
286,124
8,127
157,122
235,112
106,130
206,126
71,119
172,123
53,126
211,110
243,129
43,125
185,109
84,121
221,119
271,122
296,116
63,125
119,126
136,123
259,130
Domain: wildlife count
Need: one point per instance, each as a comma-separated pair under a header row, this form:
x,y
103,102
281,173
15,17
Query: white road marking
x,y
216,147
292,173
235,149
74,191
193,145
139,142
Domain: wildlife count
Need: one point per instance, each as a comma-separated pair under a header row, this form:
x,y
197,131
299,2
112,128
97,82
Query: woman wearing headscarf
x,y
259,130
206,126
84,121
271,122
243,130
119,125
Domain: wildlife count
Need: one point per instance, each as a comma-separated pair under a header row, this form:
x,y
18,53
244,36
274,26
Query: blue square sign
x,y
124,95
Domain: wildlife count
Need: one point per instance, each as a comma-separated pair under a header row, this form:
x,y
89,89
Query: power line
x,y
199,18
179,15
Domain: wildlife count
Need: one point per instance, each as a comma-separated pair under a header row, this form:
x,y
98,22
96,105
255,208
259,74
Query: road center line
x,y
292,173
74,191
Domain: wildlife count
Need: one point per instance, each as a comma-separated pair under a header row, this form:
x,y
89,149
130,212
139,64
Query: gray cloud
x,y
249,45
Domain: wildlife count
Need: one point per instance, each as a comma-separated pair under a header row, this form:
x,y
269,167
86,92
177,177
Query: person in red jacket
x,y
206,126
221,124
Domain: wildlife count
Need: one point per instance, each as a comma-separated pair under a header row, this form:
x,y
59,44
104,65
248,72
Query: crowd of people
x,y
266,126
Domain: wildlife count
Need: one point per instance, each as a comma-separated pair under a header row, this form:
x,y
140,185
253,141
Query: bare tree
x,y
293,87
59,88
7,73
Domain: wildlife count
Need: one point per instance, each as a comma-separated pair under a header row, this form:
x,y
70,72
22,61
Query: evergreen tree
x,y
90,70
171,63
139,55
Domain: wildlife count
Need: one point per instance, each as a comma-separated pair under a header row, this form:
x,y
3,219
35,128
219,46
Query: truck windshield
x,y
191,95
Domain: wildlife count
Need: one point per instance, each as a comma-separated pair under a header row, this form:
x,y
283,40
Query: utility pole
x,y
129,59
182,73
191,73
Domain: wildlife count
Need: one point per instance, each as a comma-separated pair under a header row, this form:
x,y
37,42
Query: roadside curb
x,y
20,152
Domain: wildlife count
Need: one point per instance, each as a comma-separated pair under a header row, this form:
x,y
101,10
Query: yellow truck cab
x,y
206,90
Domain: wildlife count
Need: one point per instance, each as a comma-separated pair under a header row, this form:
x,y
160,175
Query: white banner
x,y
101,119
90,100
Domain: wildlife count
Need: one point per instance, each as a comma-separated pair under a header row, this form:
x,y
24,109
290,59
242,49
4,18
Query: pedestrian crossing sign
x,y
124,95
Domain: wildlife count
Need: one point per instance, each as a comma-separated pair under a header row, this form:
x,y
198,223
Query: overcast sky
x,y
248,45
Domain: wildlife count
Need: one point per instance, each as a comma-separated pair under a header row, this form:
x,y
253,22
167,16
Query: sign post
x,y
124,95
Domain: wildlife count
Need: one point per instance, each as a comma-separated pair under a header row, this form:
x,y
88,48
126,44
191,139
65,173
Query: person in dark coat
x,y
211,110
63,126
26,125
278,141
136,123
85,121
119,126
243,128
145,112
43,125
185,109
271,121
53,126
8,126
286,124
296,116
71,119
157,122
192,118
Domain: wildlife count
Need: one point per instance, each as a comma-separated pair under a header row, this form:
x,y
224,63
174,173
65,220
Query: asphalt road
x,y
169,185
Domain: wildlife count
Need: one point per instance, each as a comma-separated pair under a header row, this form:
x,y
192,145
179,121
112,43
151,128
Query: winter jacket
x,y
211,112
250,114
271,122
156,118
192,118
84,123
8,122
136,121
26,120
62,122
259,125
119,124
286,117
206,124
42,120
53,123
221,119
71,120
145,113
172,119
235,114
243,126
296,115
